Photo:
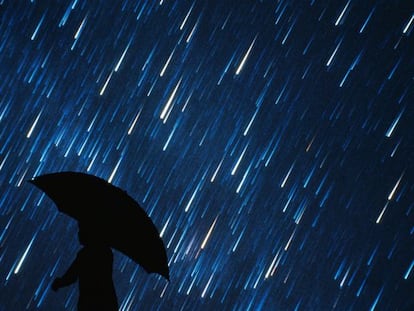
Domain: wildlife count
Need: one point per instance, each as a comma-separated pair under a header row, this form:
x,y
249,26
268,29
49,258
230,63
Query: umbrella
x,y
120,220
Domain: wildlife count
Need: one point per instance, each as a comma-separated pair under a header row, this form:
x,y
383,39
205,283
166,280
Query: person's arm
x,y
70,276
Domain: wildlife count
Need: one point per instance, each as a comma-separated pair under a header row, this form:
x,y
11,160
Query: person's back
x,y
96,289
92,268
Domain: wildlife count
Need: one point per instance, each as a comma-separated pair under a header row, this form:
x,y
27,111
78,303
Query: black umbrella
x,y
120,220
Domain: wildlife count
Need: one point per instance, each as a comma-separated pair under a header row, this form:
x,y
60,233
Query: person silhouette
x,y
92,268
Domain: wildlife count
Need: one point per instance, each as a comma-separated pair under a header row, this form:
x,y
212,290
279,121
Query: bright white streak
x,y
187,208
165,227
287,176
106,84
93,160
245,56
34,125
80,28
168,104
4,160
409,270
273,264
203,245
167,63
114,171
186,17
342,13
251,121
216,171
19,265
122,58
394,124
242,181
333,54
37,28
408,24
395,187
192,31
239,160
290,240
344,278
382,213
169,138
205,288
134,122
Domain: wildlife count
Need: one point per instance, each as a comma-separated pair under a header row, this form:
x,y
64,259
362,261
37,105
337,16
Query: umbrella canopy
x,y
105,208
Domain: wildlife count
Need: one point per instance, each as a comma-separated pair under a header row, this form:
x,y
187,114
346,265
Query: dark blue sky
x,y
270,142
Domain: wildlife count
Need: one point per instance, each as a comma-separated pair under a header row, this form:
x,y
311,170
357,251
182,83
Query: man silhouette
x,y
92,268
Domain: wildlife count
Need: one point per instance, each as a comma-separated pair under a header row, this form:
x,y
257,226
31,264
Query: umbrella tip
x,y
166,275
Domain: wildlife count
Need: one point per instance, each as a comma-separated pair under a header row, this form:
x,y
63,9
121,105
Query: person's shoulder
x,y
108,251
82,251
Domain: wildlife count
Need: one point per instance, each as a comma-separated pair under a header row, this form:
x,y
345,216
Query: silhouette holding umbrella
x,y
108,218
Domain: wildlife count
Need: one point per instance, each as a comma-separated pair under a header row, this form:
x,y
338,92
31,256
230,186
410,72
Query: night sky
x,y
271,142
